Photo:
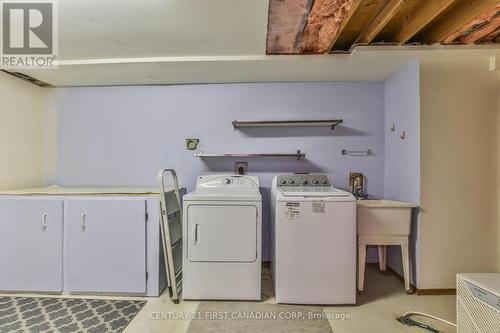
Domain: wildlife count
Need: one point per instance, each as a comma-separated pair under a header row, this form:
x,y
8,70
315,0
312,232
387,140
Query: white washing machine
x,y
222,239
314,241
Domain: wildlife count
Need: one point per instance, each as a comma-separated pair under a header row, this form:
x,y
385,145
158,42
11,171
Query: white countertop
x,y
60,190
384,204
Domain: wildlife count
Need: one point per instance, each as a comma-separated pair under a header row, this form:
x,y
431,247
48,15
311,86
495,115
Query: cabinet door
x,y
107,245
222,233
31,245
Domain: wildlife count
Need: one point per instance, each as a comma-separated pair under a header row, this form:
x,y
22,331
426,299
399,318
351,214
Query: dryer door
x,y
222,233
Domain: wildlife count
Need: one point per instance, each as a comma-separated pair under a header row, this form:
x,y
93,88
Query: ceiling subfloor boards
x,y
414,16
390,9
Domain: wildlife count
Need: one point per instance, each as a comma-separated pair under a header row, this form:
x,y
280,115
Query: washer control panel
x,y
304,180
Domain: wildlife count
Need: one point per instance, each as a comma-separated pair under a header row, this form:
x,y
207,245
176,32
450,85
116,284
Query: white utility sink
x,y
382,223
384,218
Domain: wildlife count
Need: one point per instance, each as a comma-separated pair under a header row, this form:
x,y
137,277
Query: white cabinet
x,y
106,245
81,240
31,245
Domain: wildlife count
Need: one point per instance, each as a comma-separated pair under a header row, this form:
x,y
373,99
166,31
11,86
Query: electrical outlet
x,y
240,168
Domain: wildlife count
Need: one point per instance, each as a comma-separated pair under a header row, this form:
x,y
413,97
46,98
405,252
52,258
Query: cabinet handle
x,y
43,224
83,223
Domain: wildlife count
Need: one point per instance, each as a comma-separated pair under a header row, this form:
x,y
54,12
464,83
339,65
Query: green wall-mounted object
x,y
192,144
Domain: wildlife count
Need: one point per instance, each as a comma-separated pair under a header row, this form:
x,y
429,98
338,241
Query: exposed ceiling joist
x,y
324,24
345,21
423,14
319,26
462,12
390,9
365,12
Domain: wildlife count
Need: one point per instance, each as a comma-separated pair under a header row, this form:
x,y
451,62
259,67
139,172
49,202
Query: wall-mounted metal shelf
x,y
298,155
289,123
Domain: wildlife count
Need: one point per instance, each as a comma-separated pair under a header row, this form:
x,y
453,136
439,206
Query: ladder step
x,y
170,213
175,243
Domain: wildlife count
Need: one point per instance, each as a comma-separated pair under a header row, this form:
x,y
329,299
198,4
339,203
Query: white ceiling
x,y
96,29
127,42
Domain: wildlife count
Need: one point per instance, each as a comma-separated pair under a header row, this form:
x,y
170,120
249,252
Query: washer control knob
x,y
324,182
291,182
303,182
315,182
283,182
227,181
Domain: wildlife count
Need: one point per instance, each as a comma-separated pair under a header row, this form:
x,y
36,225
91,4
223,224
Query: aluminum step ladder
x,y
171,233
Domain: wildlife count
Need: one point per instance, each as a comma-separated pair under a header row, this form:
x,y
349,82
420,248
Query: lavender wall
x,y
124,135
402,157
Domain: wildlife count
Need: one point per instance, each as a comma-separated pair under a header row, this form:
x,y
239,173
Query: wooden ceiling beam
x,y
424,13
361,17
457,17
326,20
345,21
385,15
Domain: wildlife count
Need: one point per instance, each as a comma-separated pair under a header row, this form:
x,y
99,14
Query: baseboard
x,y
429,292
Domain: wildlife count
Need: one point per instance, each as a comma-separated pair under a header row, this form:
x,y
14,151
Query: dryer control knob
x,y
283,182
303,182
315,182
227,181
324,182
291,182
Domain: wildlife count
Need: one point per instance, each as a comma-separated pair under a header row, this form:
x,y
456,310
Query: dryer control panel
x,y
227,181
305,180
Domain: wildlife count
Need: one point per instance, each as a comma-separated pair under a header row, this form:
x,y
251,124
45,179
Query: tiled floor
x,y
378,306
382,301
